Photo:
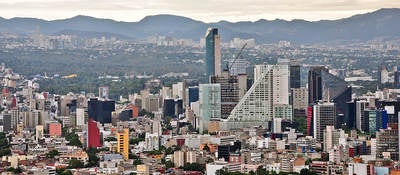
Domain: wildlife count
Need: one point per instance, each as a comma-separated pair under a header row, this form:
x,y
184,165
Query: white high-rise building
x,y
80,116
270,91
324,115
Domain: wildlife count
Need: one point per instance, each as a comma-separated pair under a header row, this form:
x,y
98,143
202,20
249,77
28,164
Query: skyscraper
x,y
294,74
270,91
315,84
123,143
193,93
361,120
323,86
213,52
100,111
324,114
229,92
210,104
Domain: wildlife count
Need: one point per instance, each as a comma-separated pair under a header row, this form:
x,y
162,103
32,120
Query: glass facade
x,y
210,104
213,59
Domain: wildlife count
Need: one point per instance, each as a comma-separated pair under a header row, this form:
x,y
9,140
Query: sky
x,y
203,10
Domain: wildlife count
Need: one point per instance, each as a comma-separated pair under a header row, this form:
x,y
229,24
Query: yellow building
x,y
123,142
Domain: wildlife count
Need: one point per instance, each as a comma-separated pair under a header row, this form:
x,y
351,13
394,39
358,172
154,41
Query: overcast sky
x,y
204,10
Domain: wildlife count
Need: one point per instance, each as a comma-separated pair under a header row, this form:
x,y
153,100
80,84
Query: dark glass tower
x,y
213,54
315,84
100,111
326,87
294,75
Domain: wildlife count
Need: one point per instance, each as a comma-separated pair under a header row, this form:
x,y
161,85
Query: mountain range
x,y
380,24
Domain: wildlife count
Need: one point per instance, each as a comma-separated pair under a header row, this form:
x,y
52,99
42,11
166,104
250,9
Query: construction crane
x,y
237,56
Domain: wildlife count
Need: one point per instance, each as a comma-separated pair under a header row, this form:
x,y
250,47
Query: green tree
x,y
306,171
17,170
169,164
74,163
52,153
93,159
110,139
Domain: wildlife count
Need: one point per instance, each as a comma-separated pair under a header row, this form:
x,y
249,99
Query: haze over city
x,y
207,10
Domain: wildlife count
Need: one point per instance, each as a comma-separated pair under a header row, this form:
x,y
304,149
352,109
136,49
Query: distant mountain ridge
x,y
383,23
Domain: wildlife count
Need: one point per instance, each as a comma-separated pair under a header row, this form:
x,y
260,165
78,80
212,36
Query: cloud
x,y
205,10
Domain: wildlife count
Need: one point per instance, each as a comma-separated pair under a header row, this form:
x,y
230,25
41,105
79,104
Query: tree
x,y
169,164
17,170
72,137
74,163
93,159
66,172
193,167
137,162
110,139
206,148
306,171
52,153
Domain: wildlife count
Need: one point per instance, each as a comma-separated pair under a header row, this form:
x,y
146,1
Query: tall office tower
x,y
193,93
93,134
377,119
315,83
100,111
123,142
229,92
213,52
178,90
152,102
103,92
294,74
210,104
172,107
270,90
326,87
238,66
324,114
361,120
387,141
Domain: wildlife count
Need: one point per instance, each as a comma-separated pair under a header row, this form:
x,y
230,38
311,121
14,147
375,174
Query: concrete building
x,y
229,91
123,142
331,137
179,158
387,143
152,142
55,129
324,114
